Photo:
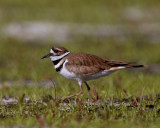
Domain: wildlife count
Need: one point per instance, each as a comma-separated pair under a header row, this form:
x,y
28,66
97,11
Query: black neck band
x,y
60,67
56,61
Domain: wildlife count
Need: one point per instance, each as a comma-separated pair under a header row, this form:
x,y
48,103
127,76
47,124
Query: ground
x,y
127,97
30,88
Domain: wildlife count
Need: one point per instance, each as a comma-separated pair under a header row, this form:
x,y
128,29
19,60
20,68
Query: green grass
x,y
22,62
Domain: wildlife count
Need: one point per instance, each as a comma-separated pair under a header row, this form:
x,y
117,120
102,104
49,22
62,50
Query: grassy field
x,y
127,98
125,88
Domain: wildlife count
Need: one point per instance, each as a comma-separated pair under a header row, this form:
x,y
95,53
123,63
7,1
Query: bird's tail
x,y
123,64
131,65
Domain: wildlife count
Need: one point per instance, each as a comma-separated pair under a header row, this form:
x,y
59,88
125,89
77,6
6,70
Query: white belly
x,y
100,74
88,77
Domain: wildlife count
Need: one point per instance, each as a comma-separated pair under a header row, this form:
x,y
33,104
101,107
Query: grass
x,y
22,62
127,98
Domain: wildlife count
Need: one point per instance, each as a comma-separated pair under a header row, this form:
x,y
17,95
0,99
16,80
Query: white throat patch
x,y
54,58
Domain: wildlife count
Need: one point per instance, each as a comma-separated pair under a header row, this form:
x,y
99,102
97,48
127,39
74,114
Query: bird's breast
x,y
66,73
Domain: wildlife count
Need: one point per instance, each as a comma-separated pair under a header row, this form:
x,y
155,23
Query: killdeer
x,y
82,67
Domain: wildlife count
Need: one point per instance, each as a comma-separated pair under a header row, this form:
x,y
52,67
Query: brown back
x,y
81,63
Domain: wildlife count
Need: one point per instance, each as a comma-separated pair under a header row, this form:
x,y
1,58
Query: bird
x,y
83,67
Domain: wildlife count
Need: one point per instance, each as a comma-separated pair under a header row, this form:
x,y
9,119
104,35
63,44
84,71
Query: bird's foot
x,y
65,99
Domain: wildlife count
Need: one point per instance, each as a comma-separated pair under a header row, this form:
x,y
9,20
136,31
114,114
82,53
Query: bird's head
x,y
56,53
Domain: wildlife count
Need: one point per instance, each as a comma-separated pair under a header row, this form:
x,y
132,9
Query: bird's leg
x,y
88,88
77,94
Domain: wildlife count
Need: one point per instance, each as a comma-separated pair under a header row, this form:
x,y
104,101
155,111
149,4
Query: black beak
x,y
46,56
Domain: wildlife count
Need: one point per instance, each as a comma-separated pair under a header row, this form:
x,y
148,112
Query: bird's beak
x,y
46,56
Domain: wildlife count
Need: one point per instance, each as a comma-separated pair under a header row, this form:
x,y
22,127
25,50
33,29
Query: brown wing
x,y
81,63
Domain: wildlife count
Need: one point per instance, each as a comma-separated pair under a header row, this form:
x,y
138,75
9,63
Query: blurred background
x,y
117,30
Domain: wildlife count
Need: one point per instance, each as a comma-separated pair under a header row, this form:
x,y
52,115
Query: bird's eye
x,y
56,51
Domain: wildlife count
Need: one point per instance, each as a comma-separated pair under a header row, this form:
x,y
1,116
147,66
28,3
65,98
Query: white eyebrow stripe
x,y
51,51
58,49
54,58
